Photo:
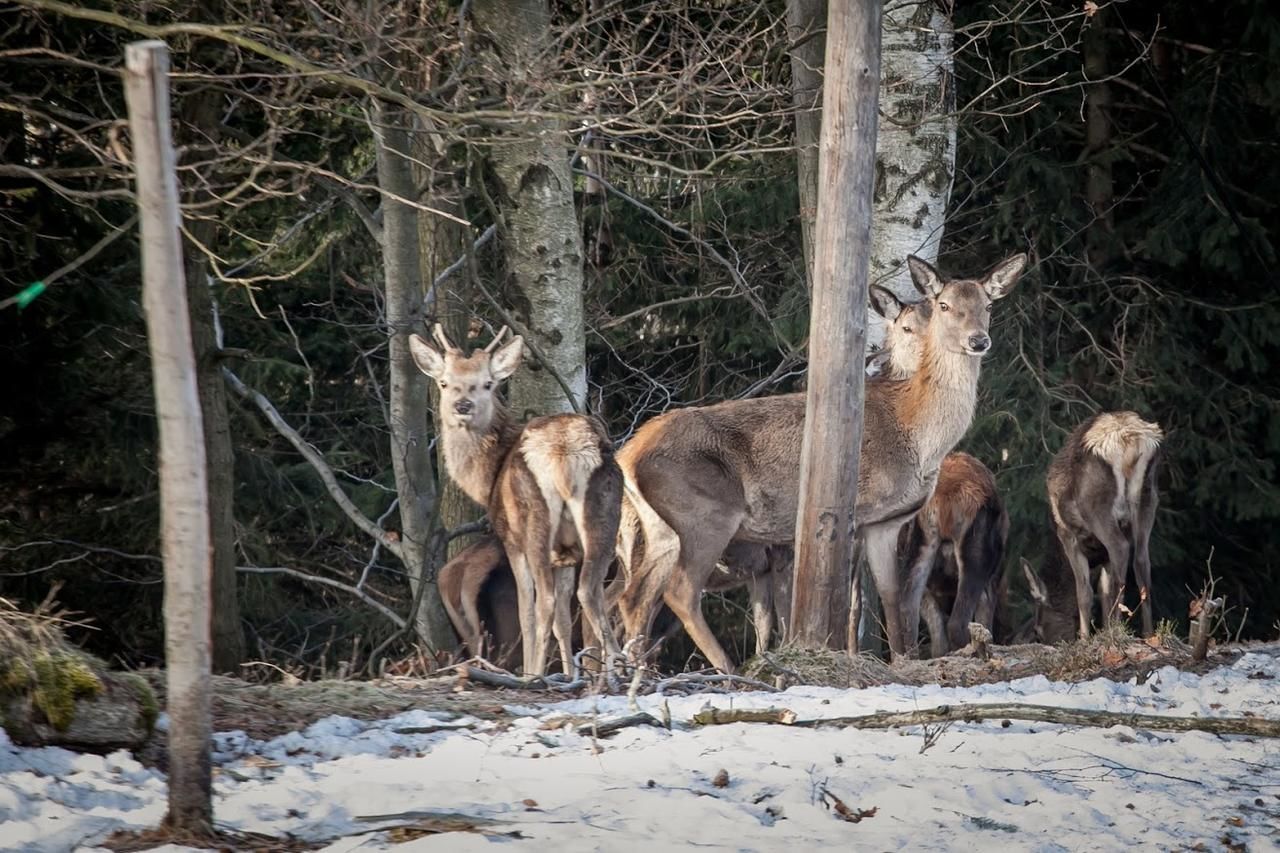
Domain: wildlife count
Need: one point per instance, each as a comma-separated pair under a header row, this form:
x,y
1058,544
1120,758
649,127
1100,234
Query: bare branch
x,y
317,462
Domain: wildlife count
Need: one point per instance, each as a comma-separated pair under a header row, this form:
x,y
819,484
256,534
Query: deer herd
x,y
704,498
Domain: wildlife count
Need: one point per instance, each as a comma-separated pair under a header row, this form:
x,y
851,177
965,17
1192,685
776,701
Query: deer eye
x,y
907,330
444,384
488,385
944,306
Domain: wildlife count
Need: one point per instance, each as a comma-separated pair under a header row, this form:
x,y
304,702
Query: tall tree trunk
x,y
440,242
184,507
200,117
1099,188
806,28
915,169
837,336
915,145
542,242
415,479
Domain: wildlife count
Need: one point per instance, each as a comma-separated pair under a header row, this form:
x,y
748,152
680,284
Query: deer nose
x,y
463,407
979,343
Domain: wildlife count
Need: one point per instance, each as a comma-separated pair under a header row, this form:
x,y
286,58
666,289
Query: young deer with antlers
x,y
1102,499
700,478
549,485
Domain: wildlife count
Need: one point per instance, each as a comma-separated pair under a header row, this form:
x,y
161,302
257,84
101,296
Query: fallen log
x,y
1249,726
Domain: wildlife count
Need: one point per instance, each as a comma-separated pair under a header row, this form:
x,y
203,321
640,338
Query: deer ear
x,y
427,357
877,362
1002,279
507,358
885,303
925,277
1039,594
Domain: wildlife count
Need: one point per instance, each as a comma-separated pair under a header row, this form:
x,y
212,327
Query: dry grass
x,y
23,633
1111,653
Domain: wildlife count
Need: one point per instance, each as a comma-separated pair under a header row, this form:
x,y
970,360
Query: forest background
x,y
354,169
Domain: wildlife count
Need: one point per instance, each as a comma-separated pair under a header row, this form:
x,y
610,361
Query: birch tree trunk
x,y
541,238
184,509
915,169
837,336
915,144
807,30
409,414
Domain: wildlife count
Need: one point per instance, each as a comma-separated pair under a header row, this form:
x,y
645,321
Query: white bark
x,y
915,144
184,499
542,241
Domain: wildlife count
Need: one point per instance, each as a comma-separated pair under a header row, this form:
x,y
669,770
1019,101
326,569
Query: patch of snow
x,y
1028,786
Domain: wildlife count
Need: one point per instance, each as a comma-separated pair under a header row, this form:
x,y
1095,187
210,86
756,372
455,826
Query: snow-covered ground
x,y
1025,787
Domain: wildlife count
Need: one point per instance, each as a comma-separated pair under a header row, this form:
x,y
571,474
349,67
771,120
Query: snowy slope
x,y
1025,787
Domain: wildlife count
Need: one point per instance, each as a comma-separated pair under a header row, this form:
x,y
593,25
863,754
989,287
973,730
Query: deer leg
x,y
684,597
761,590
932,613
969,588
1142,564
1084,585
526,599
882,560
563,624
1118,552
596,518
924,564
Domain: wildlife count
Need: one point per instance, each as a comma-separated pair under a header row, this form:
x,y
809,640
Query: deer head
x,y
468,383
1052,621
958,312
899,357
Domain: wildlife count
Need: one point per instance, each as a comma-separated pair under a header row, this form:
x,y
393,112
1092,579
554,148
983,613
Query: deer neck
x,y
474,456
937,405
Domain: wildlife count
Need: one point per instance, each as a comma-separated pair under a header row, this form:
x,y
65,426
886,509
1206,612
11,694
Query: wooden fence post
x,y
837,327
184,510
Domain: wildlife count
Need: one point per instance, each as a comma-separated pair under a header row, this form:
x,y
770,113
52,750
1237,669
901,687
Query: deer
x,y
479,594
551,484
698,478
953,550
954,546
1102,487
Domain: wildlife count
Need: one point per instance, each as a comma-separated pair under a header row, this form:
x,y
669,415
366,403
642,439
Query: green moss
x,y
59,680
148,706
17,678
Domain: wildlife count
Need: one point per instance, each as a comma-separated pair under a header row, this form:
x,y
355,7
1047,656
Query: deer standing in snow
x,y
549,485
1102,500
702,477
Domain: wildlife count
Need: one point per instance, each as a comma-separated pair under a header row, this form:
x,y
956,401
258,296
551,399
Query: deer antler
x,y
437,332
493,344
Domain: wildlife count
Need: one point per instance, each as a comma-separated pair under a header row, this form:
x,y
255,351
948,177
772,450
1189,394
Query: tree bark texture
x,y
440,242
409,413
201,117
915,145
184,509
541,238
829,454
1099,187
806,28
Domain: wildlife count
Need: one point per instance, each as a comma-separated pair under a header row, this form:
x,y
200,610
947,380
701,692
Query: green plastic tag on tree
x,y
29,294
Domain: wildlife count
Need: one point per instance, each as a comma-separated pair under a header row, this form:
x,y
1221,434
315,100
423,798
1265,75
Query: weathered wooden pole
x,y
184,509
837,327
